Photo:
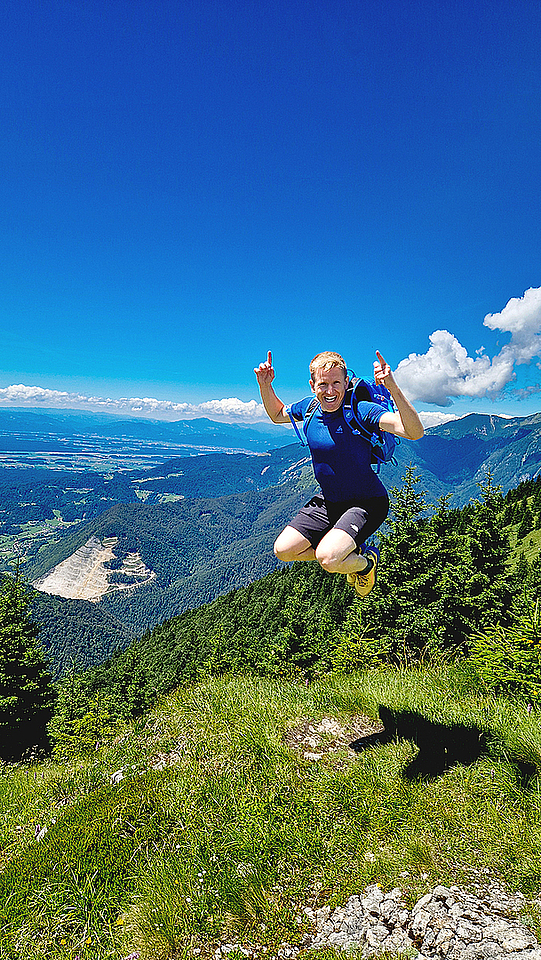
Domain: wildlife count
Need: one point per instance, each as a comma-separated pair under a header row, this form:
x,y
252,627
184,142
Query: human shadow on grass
x,y
440,745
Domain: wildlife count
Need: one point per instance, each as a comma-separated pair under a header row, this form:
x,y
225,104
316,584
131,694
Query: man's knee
x,y
291,545
333,549
284,549
327,560
280,550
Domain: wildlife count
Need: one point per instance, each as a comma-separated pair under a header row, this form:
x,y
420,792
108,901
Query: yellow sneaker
x,y
365,581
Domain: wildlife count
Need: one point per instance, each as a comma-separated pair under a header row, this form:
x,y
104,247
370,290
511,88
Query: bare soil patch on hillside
x,y
332,738
85,575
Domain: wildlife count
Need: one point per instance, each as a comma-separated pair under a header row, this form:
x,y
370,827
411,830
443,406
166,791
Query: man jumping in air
x,y
333,526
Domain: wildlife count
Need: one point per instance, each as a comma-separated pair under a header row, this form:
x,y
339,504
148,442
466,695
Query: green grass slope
x,y
239,802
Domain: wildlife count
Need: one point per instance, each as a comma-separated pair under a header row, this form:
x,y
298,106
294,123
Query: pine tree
x,y
527,523
440,576
26,690
408,503
491,493
488,544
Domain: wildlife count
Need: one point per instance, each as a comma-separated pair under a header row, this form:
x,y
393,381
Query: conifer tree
x,y
439,577
487,542
26,690
527,523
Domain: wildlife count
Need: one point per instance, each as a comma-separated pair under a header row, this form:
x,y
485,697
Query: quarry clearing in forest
x,y
85,576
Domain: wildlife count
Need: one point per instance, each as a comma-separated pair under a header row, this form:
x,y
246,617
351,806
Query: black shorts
x,y
360,519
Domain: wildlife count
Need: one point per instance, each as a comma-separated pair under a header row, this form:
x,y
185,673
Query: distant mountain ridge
x,y
453,455
460,453
199,431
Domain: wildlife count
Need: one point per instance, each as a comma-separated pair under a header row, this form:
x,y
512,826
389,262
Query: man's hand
x,y
382,370
406,421
273,405
265,371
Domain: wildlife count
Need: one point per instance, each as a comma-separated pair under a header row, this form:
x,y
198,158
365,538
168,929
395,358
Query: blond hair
x,y
326,361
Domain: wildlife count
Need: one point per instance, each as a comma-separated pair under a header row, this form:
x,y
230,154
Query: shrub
x,y
507,658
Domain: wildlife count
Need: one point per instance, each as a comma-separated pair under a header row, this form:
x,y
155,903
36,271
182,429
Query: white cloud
x,y
521,317
446,370
433,418
19,393
231,409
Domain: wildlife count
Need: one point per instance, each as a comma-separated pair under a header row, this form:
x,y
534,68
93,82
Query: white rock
x,y
518,940
422,902
420,923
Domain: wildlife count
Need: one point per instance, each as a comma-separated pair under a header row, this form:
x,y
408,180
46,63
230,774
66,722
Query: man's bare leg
x,y
337,553
291,545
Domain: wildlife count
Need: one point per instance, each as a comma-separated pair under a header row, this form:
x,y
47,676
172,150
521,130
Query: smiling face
x,y
329,387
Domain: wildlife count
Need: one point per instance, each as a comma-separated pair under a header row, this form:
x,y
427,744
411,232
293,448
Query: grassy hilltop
x,y
238,803
276,750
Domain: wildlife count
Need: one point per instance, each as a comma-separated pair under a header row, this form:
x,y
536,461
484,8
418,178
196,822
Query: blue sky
x,y
185,185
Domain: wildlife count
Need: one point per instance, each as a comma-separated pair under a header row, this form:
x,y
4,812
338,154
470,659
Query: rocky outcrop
x,y
448,923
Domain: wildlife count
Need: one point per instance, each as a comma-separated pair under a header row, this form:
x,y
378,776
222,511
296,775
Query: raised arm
x,y
405,422
273,405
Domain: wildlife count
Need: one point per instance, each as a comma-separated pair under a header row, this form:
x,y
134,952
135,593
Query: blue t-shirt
x,y
340,457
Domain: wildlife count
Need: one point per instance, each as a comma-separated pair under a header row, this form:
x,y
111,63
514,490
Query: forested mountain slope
x,y
219,474
442,579
456,456
198,548
76,634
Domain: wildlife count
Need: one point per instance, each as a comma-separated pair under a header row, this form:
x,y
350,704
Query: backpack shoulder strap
x,y
295,427
356,390
310,410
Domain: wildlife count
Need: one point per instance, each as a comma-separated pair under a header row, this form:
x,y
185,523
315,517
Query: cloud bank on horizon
x,y
446,372
231,408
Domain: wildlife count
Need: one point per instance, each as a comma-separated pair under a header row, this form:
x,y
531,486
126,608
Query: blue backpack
x,y
382,443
